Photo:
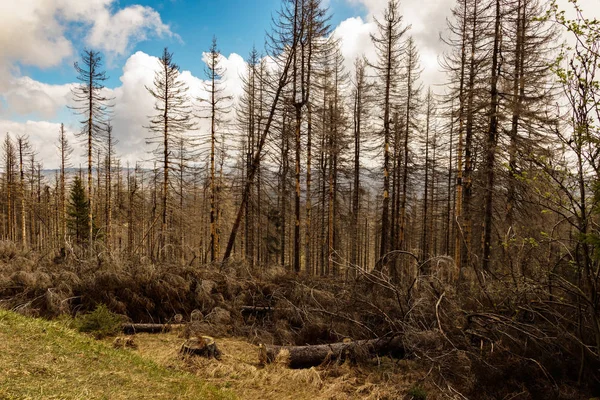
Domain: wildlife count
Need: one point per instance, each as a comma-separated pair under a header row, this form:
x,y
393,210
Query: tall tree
x,y
65,150
360,94
389,49
412,92
217,105
492,139
24,150
171,121
93,105
10,162
108,166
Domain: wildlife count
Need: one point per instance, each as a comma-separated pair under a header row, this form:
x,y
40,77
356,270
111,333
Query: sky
x,y
41,39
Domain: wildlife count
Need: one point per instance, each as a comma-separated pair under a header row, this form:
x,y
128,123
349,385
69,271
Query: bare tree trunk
x,y
22,148
491,145
308,227
297,148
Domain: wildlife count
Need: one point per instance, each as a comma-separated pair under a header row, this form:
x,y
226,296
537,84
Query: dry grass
x,y
46,360
239,371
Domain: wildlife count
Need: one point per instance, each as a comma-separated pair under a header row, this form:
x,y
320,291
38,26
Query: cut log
x,y
149,328
204,346
258,309
310,356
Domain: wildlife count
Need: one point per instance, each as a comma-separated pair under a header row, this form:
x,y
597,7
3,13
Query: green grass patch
x,y
47,360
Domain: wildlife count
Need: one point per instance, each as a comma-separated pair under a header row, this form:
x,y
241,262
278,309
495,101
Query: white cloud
x,y
33,32
25,96
355,36
113,33
44,138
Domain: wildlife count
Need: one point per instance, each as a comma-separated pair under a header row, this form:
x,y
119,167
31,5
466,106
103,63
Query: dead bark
x,y
313,355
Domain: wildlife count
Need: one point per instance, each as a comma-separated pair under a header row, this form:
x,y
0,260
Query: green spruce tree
x,y
78,212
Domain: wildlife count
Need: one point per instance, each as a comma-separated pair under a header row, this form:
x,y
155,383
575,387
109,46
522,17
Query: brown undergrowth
x,y
489,340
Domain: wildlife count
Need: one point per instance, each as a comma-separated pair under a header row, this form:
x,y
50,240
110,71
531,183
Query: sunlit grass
x,y
47,360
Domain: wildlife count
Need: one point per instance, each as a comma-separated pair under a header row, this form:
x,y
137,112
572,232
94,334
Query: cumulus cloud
x,y
113,33
133,103
44,139
355,38
35,33
26,96
427,19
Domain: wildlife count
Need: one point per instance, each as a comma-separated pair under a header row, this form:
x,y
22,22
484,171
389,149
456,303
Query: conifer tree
x,y
78,212
168,125
94,107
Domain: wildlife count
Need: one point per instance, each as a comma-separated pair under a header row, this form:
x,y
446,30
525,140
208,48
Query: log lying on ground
x,y
149,328
310,356
259,309
204,346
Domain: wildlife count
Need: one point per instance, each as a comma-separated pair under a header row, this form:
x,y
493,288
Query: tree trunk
x,y
491,146
310,356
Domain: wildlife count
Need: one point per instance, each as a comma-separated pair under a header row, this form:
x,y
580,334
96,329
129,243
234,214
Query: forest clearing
x,y
66,365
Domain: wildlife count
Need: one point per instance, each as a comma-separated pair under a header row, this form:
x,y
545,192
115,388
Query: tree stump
x,y
204,346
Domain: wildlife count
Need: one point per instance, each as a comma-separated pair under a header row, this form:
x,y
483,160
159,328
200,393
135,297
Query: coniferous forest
x,y
455,226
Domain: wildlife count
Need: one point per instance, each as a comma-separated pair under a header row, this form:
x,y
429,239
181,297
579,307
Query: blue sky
x,y
237,24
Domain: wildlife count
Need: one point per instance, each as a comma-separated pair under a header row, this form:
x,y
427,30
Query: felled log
x,y
258,309
149,328
310,356
204,346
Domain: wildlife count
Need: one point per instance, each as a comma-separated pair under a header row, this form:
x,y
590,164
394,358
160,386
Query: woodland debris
x,y
123,342
219,316
204,346
313,355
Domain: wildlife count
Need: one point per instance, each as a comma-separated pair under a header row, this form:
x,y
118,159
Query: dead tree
x,y
171,121
94,107
389,49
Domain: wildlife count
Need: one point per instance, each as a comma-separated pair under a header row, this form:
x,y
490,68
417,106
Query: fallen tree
x,y
131,329
313,355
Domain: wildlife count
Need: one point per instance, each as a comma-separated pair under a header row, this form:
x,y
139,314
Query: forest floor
x,y
239,371
46,360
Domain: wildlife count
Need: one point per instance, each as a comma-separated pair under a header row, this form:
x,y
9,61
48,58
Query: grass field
x,y
47,360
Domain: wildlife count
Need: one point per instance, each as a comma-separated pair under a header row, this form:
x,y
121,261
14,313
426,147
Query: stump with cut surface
x,y
310,356
204,346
